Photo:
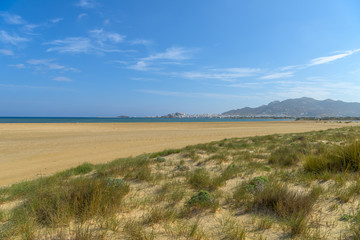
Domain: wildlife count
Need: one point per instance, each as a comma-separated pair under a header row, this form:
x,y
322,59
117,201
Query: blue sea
x,y
123,120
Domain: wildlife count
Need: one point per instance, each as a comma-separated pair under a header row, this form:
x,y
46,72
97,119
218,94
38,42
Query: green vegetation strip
x,y
268,168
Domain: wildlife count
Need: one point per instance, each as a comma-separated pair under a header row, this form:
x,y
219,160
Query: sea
x,y
125,120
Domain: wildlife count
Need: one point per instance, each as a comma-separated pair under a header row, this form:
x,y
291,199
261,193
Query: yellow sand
x,y
32,149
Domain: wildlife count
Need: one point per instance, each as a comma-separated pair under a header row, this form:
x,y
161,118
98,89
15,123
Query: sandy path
x,y
33,149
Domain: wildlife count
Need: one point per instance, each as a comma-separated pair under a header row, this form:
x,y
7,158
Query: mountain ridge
x,y
300,107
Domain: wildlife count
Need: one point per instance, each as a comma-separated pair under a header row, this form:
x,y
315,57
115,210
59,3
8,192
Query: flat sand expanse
x,y
29,150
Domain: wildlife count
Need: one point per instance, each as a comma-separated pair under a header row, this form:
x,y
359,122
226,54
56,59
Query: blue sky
x,y
147,58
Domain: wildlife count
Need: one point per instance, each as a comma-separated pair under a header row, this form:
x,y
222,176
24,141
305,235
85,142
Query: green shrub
x,y
82,169
202,200
160,160
115,182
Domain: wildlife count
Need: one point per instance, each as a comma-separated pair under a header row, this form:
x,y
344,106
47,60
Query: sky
x,y
87,58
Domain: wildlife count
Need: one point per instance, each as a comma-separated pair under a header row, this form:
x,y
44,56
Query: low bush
x,y
202,200
82,169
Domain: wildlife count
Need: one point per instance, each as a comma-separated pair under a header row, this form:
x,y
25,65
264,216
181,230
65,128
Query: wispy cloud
x,y
12,19
99,41
141,42
56,20
191,94
278,75
11,39
289,71
81,15
6,52
173,55
62,79
49,64
71,45
87,4
322,60
140,66
223,74
29,28
102,36
18,66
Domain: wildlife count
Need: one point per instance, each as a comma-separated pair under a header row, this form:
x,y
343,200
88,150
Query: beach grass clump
x,y
129,168
81,199
200,201
172,192
270,196
284,156
337,159
82,169
232,230
219,157
160,214
165,153
354,230
200,179
134,230
231,171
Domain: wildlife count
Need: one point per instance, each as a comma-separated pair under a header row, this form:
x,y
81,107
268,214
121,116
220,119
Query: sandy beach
x,y
32,149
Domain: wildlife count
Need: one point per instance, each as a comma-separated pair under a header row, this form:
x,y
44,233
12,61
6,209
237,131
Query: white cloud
x,y
141,42
278,75
223,74
99,41
29,28
140,66
49,64
12,19
62,79
71,45
103,36
18,66
192,94
81,15
11,39
6,52
87,4
56,20
173,55
322,60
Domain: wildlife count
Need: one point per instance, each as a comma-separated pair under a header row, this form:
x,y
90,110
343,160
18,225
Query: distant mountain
x,y
300,107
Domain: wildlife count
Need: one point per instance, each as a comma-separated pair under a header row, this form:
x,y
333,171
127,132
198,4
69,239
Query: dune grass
x,y
276,185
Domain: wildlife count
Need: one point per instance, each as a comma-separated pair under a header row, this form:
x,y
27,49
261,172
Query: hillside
x,y
301,107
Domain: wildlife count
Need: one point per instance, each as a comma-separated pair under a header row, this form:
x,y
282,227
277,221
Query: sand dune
x,y
33,150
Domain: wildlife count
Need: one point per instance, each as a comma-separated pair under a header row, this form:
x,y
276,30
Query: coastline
x,y
31,150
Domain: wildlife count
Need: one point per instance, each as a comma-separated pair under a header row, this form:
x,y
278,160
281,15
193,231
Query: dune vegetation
x,y
288,186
